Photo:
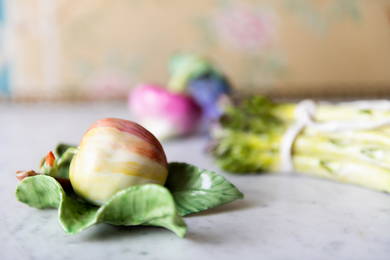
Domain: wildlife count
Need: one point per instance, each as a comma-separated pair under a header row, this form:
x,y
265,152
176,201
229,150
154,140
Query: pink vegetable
x,y
164,113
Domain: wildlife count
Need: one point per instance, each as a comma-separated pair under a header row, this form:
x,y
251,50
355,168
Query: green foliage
x,y
62,148
255,115
242,152
148,204
250,136
189,190
63,156
40,192
196,189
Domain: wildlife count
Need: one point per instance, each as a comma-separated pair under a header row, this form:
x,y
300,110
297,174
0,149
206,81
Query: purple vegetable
x,y
207,91
164,113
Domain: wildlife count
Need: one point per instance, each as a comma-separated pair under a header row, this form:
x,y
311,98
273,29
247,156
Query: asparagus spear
x,y
249,135
347,171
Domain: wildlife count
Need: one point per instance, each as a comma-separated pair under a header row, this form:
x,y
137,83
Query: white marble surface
x,y
282,217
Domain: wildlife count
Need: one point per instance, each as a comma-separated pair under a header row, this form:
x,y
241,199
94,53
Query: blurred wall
x,y
98,49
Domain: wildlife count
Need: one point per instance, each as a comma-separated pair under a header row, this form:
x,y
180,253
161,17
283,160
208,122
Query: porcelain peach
x,y
115,154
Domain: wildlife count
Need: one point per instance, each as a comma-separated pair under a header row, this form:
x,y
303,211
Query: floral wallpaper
x,y
320,16
244,27
101,49
251,31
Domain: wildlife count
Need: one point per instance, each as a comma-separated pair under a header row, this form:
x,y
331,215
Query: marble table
x,y
281,217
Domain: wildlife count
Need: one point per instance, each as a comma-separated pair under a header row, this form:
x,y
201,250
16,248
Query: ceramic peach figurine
x,y
113,155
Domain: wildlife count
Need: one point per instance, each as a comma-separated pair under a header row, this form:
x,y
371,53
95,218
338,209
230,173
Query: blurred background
x,y
99,49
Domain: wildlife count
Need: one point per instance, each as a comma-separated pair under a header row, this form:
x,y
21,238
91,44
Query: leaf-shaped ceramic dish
x,y
189,189
148,204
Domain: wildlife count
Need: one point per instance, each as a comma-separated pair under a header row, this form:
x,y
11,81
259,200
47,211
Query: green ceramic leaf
x,y
75,215
64,154
195,189
62,148
148,204
62,168
40,192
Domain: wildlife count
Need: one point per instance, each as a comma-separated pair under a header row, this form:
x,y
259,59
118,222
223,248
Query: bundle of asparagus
x,y
346,142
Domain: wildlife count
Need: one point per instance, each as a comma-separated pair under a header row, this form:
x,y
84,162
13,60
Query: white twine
x,y
304,114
